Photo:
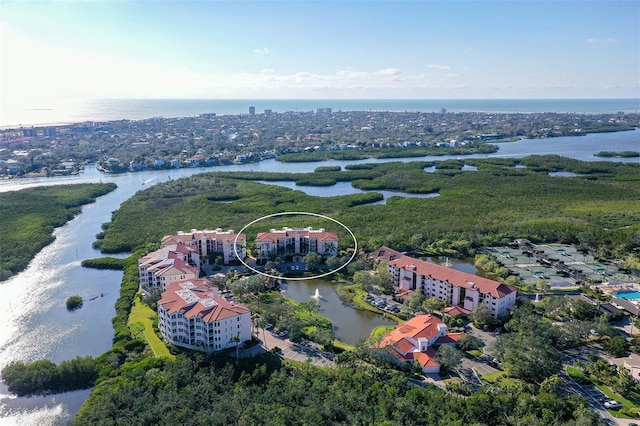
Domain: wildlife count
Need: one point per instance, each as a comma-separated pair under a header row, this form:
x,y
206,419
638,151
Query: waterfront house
x,y
454,288
295,243
415,339
193,316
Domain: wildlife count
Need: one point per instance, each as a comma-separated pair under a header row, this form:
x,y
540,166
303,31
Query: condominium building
x,y
211,243
191,315
454,288
295,243
171,263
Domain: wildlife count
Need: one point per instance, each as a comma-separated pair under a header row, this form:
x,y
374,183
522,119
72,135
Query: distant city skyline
x,y
320,50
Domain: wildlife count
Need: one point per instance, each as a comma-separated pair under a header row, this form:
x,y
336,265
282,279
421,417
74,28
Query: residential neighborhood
x,y
193,313
210,140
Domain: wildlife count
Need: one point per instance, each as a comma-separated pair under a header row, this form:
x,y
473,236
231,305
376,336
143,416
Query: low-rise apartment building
x,y
211,244
193,316
295,243
454,288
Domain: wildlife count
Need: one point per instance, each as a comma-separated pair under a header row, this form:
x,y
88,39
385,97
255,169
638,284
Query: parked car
x,y
612,404
283,333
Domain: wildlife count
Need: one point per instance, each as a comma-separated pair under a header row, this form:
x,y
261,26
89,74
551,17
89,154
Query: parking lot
x,y
302,350
382,303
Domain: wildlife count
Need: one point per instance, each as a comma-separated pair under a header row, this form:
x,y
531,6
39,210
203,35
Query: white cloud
x,y
268,71
351,74
388,72
452,75
439,67
263,51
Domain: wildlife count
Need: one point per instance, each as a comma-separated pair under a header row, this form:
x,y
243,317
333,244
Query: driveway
x,y
297,351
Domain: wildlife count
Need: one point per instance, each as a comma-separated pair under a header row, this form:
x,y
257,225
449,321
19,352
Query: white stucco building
x,y
455,288
171,263
296,243
191,315
211,243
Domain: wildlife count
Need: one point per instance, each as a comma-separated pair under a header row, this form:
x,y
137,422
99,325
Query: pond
x,y
349,324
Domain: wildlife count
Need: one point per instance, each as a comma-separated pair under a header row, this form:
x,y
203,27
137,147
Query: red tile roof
x,y
421,326
456,278
449,339
196,297
426,359
385,254
189,237
454,311
274,235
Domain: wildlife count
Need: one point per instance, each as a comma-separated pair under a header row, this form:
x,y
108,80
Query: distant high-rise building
x,y
268,112
443,110
252,110
324,111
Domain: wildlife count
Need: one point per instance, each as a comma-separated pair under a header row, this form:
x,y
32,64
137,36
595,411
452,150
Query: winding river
x,y
37,325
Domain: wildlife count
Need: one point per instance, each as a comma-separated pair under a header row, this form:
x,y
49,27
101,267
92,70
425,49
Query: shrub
x,y
74,302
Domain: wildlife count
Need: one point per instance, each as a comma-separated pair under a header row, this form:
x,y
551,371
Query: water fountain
x,y
317,295
537,299
446,262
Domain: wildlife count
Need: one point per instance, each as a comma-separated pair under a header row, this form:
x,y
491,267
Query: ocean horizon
x,y
58,111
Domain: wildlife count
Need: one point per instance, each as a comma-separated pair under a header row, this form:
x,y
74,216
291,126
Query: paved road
x,y
594,396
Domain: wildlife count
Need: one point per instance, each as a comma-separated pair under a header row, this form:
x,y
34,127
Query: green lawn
x,y
141,319
494,377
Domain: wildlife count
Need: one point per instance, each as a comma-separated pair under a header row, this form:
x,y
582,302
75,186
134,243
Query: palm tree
x,y
262,323
236,339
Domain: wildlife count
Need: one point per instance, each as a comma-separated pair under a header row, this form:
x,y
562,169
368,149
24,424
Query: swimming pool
x,y
628,294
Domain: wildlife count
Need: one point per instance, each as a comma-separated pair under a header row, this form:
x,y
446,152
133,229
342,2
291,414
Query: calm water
x,y
342,188
37,325
350,325
56,110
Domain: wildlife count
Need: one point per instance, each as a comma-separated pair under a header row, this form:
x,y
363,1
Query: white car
x,y
612,404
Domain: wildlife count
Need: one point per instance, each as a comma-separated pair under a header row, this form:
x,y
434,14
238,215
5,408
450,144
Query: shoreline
x,y
139,109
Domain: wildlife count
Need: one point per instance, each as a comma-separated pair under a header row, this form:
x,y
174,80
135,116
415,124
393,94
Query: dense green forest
x,y
361,154
493,205
258,391
44,377
30,216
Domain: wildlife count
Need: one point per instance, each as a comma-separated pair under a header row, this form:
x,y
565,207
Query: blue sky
x,y
326,49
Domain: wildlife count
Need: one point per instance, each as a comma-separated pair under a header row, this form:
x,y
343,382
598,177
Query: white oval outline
x,y
355,246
